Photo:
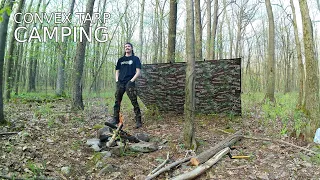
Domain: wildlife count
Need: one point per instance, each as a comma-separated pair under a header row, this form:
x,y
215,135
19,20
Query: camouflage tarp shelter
x,y
217,85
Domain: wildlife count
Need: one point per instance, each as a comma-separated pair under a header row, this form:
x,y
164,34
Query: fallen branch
x,y
167,168
204,156
273,140
8,133
161,165
114,136
37,177
203,167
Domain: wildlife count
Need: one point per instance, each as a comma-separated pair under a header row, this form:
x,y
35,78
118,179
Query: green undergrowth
x,y
37,97
283,114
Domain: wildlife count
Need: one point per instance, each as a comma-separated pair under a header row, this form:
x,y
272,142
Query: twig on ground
x,y
167,168
239,167
272,140
161,165
8,133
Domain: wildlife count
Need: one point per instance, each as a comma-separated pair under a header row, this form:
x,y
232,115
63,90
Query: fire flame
x,y
120,119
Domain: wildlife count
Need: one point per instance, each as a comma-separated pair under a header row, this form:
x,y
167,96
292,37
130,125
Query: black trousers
x,y
131,91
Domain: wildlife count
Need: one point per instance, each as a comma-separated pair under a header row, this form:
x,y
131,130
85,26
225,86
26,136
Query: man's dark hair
x,y
131,47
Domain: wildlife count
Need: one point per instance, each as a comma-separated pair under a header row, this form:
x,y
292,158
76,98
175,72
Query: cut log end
x,y
194,162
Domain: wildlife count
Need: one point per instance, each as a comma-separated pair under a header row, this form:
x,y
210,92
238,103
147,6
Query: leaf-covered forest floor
x,y
51,141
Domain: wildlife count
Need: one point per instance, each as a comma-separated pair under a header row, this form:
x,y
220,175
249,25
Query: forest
x,y
58,67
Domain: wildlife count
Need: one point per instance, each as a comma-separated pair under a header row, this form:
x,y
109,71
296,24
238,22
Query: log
x,y
204,156
167,168
203,167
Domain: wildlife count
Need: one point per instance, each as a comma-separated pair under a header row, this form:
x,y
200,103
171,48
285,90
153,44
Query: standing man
x,y
127,71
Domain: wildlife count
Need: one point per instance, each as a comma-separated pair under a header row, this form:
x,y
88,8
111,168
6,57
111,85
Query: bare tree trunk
x,y
230,37
77,103
189,106
220,38
61,64
299,54
155,33
214,30
198,28
208,43
3,40
160,32
12,48
312,105
141,29
21,57
33,60
287,60
271,64
172,31
17,68
239,31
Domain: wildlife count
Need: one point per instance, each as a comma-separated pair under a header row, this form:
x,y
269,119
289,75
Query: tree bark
x,y
160,33
214,30
77,103
155,32
198,28
61,64
312,105
208,43
271,61
172,31
239,31
141,29
189,106
12,48
3,41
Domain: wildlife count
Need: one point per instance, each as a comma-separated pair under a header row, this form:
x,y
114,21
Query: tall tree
x,y
21,55
214,29
172,31
208,42
271,64
198,28
299,55
155,32
312,80
12,48
3,40
189,105
77,103
160,31
141,29
33,59
61,64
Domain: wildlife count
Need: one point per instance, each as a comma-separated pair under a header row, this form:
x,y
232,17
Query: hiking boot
x,y
138,123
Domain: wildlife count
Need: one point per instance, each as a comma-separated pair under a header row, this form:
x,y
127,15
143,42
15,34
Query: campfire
x,y
114,139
